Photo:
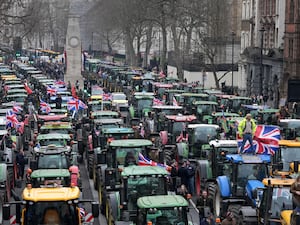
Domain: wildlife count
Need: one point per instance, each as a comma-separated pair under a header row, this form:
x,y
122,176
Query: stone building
x,y
291,44
262,48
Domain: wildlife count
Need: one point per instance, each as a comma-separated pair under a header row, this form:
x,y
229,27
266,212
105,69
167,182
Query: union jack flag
x,y
11,119
59,82
265,140
106,97
45,107
144,161
175,103
51,91
20,127
16,108
156,101
75,104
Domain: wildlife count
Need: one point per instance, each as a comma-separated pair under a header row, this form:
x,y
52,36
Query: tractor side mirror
x,y
296,166
6,211
95,209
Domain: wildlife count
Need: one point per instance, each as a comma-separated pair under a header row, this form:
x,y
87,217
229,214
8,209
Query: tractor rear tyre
x,y
214,194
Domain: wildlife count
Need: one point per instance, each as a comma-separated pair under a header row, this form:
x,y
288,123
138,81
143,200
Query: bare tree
x,y
211,39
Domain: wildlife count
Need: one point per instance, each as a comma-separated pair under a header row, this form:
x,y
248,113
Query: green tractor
x,y
163,209
204,110
137,181
101,143
111,161
141,104
199,137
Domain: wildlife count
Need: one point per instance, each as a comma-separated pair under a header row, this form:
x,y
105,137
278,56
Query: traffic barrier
x,y
13,219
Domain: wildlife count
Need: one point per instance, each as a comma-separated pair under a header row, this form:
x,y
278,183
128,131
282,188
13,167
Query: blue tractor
x,y
238,177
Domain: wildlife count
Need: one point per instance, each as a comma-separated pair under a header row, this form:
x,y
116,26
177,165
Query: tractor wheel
x,y
201,175
214,193
168,155
235,211
95,177
90,165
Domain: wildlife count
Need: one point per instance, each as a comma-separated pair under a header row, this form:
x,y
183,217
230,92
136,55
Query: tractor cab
x,y
204,110
163,209
199,137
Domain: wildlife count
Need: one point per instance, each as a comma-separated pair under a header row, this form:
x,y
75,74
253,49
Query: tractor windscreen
x,y
144,186
51,213
176,215
251,172
204,134
53,161
289,155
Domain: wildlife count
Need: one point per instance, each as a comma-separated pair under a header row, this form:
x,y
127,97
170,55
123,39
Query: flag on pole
x,y
106,97
11,119
156,101
144,161
75,104
27,88
51,91
16,108
175,103
45,107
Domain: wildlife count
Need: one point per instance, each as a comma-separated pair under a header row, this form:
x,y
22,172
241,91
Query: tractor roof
x,y
162,201
278,181
130,143
118,130
224,143
53,136
205,103
248,158
144,171
289,143
201,125
181,118
51,194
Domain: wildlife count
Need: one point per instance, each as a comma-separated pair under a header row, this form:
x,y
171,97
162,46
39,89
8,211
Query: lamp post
x,y
232,60
262,30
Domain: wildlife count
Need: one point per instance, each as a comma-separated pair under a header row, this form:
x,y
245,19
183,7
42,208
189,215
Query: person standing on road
x,y
247,128
191,177
202,202
173,175
183,174
20,159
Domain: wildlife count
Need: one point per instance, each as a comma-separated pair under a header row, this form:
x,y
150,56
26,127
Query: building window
x,y
291,43
292,11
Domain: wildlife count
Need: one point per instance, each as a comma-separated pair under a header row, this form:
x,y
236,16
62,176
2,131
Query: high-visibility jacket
x,y
242,126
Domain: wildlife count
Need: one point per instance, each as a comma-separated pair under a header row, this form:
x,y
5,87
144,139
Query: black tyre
x,y
214,193
90,164
235,209
201,175
95,178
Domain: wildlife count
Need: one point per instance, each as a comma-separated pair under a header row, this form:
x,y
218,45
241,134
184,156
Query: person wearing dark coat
x,y
21,161
183,174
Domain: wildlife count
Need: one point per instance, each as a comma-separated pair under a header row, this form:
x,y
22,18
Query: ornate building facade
x,y
292,44
262,47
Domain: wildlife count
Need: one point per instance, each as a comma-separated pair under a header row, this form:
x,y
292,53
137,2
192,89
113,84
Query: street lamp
x,y
262,30
232,60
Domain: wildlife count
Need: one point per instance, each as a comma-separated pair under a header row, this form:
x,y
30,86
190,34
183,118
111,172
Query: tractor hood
x,y
253,185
